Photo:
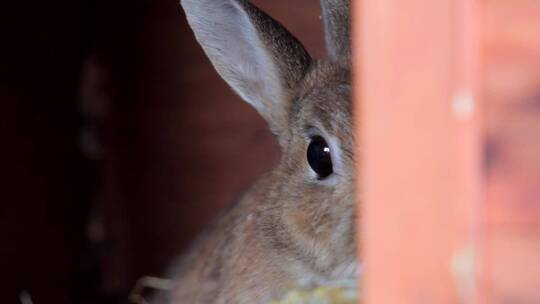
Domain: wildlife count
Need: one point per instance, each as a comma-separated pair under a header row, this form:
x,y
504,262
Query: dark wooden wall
x,y
119,142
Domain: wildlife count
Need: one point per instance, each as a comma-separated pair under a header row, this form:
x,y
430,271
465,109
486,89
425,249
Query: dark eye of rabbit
x,y
318,155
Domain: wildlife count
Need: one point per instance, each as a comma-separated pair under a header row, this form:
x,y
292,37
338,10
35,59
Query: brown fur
x,y
291,227
337,25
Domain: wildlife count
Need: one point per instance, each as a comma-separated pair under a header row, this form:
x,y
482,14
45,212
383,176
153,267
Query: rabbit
x,y
297,223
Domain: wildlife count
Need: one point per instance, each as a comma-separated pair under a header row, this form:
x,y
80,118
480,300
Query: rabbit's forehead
x,y
324,102
329,109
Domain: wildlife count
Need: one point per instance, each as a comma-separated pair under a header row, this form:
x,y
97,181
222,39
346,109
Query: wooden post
x,y
511,88
448,118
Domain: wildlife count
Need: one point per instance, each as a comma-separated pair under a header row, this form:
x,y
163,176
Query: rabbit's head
x,y
307,208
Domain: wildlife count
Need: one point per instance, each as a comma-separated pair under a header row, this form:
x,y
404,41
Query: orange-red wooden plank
x,y
511,86
449,124
415,67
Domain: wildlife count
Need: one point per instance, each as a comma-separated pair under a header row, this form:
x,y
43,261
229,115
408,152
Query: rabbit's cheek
x,y
301,223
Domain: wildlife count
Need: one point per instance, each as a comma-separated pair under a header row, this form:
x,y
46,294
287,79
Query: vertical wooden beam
x,y
511,87
450,203
417,116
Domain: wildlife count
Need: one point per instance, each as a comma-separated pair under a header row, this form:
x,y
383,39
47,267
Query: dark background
x,y
119,142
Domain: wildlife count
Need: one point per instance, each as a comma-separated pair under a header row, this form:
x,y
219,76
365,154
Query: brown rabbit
x,y
296,225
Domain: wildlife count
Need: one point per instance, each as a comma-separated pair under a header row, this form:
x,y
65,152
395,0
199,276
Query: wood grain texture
x,y
511,86
419,147
449,96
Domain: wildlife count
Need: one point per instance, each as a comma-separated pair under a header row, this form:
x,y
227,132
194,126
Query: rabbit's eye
x,y
319,158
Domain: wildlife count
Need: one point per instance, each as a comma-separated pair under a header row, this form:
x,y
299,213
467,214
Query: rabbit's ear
x,y
253,53
337,28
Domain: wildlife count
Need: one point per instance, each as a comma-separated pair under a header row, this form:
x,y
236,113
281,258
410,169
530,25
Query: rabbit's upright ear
x,y
253,53
336,16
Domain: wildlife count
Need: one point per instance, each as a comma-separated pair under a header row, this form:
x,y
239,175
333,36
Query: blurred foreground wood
x,y
448,96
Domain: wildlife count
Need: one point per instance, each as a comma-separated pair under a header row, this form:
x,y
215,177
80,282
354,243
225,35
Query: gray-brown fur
x,y
291,227
337,25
